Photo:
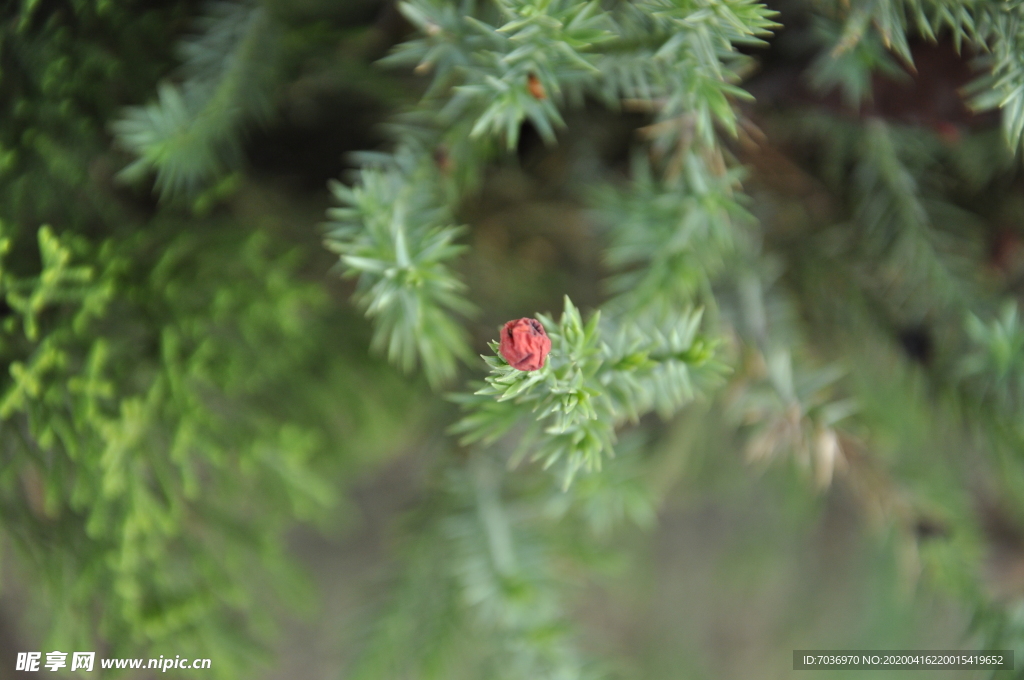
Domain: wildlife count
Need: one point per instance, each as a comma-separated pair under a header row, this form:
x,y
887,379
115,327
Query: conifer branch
x,y
397,244
684,59
138,432
595,379
668,238
994,368
897,222
192,134
993,28
492,72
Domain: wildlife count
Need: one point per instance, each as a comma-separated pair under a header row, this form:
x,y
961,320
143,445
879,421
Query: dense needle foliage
x,y
810,251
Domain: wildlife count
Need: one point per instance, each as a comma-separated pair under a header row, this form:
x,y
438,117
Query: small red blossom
x,y
524,344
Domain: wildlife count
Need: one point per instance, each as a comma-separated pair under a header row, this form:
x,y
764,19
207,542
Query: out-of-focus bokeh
x,y
251,253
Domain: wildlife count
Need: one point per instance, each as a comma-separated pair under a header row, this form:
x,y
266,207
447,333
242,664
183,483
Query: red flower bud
x,y
524,344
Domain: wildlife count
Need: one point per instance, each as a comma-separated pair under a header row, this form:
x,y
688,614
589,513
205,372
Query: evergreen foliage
x,y
146,464
178,392
94,387
588,386
191,135
398,244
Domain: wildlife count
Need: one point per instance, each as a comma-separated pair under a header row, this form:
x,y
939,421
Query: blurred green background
x,y
200,454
